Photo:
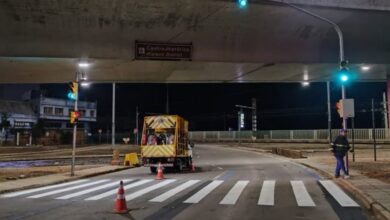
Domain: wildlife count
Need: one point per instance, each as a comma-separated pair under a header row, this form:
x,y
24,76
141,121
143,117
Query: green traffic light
x,y
71,95
344,78
242,3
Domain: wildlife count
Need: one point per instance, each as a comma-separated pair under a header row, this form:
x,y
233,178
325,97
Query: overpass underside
x,y
42,41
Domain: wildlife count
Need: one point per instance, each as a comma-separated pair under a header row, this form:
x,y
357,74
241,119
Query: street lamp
x,y
80,76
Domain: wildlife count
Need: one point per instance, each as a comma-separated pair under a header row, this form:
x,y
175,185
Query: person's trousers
x,y
340,166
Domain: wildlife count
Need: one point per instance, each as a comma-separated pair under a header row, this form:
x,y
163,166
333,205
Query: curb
x,y
65,180
368,202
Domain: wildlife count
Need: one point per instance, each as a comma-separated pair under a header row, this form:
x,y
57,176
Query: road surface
x,y
229,184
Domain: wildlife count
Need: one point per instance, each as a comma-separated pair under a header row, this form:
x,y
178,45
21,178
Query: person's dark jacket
x,y
340,146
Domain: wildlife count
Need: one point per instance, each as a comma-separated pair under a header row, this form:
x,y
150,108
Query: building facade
x,y
55,113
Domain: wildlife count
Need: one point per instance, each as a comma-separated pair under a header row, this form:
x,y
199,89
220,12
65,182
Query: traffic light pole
x,y
341,47
75,128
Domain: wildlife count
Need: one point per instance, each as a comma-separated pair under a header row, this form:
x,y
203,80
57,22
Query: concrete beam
x,y
380,5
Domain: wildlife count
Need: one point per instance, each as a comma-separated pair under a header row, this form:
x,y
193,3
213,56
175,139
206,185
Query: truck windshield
x,y
161,136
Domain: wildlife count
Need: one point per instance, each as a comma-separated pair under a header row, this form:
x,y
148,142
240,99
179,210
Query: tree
x,y
5,124
37,130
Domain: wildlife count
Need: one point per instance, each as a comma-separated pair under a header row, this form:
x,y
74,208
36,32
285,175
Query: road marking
x,y
220,168
340,196
114,191
234,193
301,195
116,183
267,193
41,189
67,189
204,192
148,189
219,175
174,191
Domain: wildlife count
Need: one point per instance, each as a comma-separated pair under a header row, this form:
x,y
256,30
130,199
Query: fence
x,y
361,134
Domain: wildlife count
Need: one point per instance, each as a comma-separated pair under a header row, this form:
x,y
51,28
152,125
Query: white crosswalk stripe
x,y
67,189
204,192
99,189
234,193
115,191
14,194
267,193
301,195
174,191
148,189
339,195
116,183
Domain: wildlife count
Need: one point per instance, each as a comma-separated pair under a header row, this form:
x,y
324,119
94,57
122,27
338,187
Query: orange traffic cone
x,y
193,169
160,174
120,204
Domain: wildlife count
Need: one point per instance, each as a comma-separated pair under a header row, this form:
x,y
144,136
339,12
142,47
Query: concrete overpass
x,y
42,41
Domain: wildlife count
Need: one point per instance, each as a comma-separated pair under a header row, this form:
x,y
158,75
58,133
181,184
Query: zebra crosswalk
x,y
93,190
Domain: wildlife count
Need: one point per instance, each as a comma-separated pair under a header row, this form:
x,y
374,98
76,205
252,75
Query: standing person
x,y
340,147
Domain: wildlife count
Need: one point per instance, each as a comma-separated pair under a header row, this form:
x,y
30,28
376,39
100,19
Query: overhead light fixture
x,y
365,68
85,84
83,64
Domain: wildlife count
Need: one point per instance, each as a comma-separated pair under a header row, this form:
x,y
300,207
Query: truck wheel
x,y
153,169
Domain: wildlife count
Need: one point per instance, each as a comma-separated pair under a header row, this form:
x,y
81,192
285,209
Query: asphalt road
x,y
228,184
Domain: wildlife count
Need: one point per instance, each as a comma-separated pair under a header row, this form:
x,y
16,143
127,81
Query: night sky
x,y
212,106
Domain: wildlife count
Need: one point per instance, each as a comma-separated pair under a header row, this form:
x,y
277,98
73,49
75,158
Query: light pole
x,y
136,125
113,116
79,75
341,53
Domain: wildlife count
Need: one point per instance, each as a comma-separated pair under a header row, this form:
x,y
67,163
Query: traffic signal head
x,y
73,90
74,116
339,108
242,3
344,75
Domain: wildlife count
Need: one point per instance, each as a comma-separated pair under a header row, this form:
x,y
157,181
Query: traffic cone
x,y
120,204
160,174
193,169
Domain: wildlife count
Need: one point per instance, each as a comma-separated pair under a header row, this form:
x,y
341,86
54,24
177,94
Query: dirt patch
x,y
21,173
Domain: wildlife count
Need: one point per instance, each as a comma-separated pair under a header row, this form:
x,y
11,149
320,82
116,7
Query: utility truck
x,y
165,140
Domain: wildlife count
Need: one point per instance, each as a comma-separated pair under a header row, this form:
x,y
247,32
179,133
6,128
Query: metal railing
x,y
314,135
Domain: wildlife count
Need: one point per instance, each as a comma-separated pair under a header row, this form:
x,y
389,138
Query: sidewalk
x,y
20,184
373,193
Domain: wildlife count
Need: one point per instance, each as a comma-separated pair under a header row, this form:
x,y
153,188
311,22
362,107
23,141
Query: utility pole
x,y
373,126
384,103
329,113
136,125
113,116
239,125
254,116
